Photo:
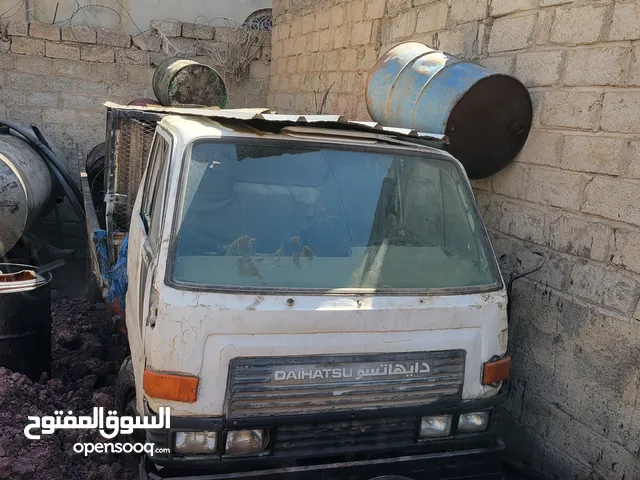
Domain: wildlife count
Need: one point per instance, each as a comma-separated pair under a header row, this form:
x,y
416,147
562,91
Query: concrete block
x,y
5,45
625,24
522,222
542,148
580,238
33,64
557,188
167,28
539,69
308,24
457,41
605,458
611,64
397,6
463,11
98,53
578,25
627,250
147,42
44,31
56,84
543,27
361,33
42,99
554,272
559,464
78,102
432,17
338,16
132,57
63,50
511,181
633,170
348,59
27,46
572,109
198,31
356,11
342,37
113,38
403,25
613,198
323,20
512,33
7,61
79,33
500,8
602,285
22,81
375,9
24,116
499,64
621,112
90,88
18,28
186,47
368,58
606,155
60,115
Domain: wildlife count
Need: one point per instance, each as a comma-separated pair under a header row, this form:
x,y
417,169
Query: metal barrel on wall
x,y
178,81
27,188
486,116
25,320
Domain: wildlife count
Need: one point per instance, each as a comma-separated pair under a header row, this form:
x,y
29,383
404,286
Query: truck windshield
x,y
281,216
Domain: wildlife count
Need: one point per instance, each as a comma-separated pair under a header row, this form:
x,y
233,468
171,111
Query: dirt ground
x,y
87,353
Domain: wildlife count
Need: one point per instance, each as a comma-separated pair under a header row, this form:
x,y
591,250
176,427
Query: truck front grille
x,y
351,435
321,384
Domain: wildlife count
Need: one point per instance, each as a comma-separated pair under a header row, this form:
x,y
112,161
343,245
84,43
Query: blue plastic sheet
x,y
115,277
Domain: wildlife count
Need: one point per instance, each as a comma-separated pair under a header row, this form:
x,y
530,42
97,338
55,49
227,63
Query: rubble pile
x,y
87,353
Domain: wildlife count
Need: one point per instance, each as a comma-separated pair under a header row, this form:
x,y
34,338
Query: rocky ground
x,y
87,353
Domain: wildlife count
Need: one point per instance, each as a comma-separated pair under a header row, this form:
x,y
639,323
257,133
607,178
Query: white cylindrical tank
x,y
26,189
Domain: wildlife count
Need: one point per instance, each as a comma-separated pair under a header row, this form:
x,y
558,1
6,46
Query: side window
x,y
154,189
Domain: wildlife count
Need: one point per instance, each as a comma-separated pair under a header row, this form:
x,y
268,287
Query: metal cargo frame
x,y
128,142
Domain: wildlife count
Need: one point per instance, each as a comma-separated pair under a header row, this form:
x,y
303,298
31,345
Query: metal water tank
x,y
178,81
486,116
25,320
27,188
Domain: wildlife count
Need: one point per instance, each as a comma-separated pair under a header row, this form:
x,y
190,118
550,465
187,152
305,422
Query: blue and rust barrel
x,y
486,116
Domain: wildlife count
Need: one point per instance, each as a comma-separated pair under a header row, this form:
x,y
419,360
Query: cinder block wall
x,y
574,192
59,79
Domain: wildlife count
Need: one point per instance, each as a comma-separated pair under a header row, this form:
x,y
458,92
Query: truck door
x,y
144,238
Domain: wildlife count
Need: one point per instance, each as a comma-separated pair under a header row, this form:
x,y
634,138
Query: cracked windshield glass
x,y
283,216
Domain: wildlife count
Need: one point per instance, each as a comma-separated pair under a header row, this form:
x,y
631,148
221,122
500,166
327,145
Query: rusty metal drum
x,y
27,189
486,116
25,320
178,81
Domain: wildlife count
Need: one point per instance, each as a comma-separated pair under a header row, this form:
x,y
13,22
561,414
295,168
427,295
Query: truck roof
x,y
197,122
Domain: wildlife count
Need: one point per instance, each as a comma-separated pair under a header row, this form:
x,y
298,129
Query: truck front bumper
x,y
458,456
479,463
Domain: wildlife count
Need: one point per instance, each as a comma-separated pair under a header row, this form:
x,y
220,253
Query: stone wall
x,y
573,407
59,78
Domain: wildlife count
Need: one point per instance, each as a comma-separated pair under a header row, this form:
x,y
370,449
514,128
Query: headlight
x,y
196,442
245,442
436,426
473,422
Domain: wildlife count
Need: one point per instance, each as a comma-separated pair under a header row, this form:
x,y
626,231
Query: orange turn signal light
x,y
170,386
496,371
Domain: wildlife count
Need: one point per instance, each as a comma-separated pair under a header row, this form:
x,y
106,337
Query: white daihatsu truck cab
x,y
311,299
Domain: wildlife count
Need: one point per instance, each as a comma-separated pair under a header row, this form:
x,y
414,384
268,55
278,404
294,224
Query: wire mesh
x,y
132,151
